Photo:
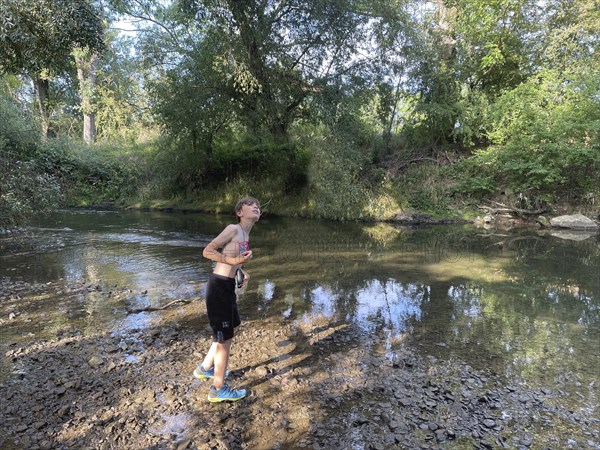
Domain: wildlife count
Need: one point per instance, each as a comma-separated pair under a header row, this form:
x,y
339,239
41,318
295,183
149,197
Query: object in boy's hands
x,y
239,278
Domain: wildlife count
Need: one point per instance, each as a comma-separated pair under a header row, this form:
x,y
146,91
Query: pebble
x,y
440,436
526,441
95,362
262,371
489,423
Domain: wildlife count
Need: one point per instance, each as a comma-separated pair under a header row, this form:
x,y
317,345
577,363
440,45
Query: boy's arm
x,y
211,251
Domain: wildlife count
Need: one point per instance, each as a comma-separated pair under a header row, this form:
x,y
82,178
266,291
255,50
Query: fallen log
x,y
510,209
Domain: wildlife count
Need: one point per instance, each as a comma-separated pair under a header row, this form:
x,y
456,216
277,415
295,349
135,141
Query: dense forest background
x,y
340,109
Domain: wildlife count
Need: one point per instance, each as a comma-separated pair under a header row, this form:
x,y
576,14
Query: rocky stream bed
x,y
315,385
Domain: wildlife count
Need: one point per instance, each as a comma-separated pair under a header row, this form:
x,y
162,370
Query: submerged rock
x,y
572,235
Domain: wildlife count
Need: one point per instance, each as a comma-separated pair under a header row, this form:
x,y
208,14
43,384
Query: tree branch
x,y
510,209
158,308
156,22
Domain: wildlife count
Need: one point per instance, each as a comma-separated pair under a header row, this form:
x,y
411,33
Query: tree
x,y
119,95
270,56
570,38
87,62
190,102
37,37
472,52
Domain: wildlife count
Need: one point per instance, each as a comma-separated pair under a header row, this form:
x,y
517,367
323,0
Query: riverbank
x,y
315,384
501,217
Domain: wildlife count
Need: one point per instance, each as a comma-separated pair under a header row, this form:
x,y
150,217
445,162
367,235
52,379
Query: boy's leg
x,y
206,368
210,357
220,391
221,360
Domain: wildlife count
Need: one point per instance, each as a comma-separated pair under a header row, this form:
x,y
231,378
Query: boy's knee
x,y
225,344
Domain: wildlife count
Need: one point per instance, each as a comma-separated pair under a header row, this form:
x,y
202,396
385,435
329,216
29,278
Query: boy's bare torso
x,y
231,249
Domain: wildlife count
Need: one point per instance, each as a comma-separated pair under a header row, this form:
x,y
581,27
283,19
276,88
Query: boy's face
x,y
250,211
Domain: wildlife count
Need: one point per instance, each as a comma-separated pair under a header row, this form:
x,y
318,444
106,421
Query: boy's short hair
x,y
245,201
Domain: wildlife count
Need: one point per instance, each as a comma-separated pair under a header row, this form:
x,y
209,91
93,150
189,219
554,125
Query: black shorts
x,y
221,307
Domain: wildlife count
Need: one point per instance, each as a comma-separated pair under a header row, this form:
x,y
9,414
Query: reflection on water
x,y
386,304
526,305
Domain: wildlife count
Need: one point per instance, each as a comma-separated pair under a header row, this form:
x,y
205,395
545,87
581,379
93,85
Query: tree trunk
x,y
86,74
266,102
446,17
279,132
89,128
42,87
390,123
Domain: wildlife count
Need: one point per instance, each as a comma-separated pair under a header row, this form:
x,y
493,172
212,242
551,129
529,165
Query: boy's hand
x,y
244,257
246,278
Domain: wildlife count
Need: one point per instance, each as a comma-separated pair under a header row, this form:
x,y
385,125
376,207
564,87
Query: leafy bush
x,y
285,162
17,134
545,135
91,174
25,188
426,188
335,191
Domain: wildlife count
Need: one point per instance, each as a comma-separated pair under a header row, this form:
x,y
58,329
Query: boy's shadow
x,y
307,349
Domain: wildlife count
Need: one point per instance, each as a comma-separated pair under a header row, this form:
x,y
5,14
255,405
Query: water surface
x,y
523,304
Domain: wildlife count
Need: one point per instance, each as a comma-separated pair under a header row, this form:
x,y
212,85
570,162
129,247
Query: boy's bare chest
x,y
238,245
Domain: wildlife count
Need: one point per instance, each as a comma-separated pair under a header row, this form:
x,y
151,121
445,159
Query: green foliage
x,y
466,56
309,104
436,112
41,174
16,132
192,101
426,188
545,136
476,174
252,161
37,35
38,38
25,188
571,39
493,54
120,101
335,192
259,64
473,116
91,174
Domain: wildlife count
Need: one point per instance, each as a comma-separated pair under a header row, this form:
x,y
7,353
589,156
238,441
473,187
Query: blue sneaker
x,y
226,394
201,373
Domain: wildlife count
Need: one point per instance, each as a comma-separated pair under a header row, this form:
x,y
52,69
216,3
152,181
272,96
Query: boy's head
x,y
245,201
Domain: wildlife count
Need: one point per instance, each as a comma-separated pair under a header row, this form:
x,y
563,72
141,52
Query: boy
x,y
221,305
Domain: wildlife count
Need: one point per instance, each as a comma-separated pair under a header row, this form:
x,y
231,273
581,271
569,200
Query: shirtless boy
x,y
230,250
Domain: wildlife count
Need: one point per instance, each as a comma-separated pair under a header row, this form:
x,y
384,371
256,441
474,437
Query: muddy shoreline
x,y
317,385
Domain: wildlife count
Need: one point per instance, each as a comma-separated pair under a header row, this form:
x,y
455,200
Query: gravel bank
x,y
318,385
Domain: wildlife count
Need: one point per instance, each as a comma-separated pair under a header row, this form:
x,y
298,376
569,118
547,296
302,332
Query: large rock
x,y
575,221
